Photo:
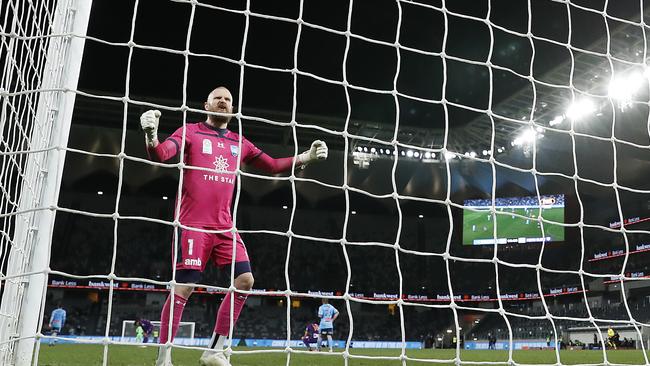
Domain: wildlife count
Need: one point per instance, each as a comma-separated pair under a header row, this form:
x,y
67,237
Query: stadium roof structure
x,y
587,69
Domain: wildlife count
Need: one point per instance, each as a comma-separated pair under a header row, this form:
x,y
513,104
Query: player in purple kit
x,y
310,336
205,201
147,327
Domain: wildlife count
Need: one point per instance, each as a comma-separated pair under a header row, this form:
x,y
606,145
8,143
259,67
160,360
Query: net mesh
x,y
33,53
540,115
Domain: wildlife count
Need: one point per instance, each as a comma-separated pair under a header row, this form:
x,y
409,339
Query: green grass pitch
x,y
120,355
508,227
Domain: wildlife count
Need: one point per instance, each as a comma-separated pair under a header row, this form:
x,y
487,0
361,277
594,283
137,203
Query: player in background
x,y
310,336
205,203
139,333
147,329
327,314
612,337
57,321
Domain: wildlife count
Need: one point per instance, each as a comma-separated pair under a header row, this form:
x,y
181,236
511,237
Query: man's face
x,y
220,100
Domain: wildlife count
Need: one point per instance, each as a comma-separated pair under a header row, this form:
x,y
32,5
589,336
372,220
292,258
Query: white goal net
x,y
40,54
486,186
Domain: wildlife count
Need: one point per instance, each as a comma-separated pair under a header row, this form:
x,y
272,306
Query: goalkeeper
x,y
205,202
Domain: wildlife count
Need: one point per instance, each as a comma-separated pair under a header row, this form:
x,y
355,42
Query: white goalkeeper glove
x,y
149,123
317,151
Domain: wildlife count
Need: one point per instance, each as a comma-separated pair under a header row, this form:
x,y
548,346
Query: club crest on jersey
x,y
207,146
234,149
220,145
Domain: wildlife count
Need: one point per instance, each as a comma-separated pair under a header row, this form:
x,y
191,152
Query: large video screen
x,y
516,220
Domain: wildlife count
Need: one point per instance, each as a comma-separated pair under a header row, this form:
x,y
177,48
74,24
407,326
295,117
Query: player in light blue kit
x,y
57,320
327,314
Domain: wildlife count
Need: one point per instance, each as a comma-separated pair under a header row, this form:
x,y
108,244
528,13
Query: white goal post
x,y
41,50
185,330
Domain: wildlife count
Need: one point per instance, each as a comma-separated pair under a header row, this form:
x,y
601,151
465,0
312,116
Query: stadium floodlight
x,y
284,207
421,216
500,150
359,149
449,155
623,88
353,212
365,149
165,198
525,138
381,151
373,150
403,153
580,109
99,193
416,154
485,152
427,155
556,121
409,153
472,154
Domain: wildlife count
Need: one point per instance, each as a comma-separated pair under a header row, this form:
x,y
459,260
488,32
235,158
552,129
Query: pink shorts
x,y
196,248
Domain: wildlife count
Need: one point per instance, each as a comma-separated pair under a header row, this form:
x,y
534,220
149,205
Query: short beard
x,y
219,120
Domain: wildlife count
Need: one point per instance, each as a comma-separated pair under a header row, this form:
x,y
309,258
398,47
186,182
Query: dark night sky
x,y
158,75
271,43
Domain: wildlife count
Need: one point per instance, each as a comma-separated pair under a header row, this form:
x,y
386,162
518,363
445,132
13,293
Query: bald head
x,y
219,101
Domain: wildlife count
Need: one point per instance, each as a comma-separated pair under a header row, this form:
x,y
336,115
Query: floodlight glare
x,y
449,155
416,154
359,149
373,150
580,108
485,152
427,155
622,88
556,121
409,153
526,137
472,154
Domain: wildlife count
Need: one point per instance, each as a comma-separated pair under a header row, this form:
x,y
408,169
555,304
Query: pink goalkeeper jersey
x,y
207,195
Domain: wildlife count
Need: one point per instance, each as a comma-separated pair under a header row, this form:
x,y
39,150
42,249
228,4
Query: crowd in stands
x,y
84,245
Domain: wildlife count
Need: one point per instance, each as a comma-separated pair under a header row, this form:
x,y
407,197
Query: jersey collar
x,y
221,131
